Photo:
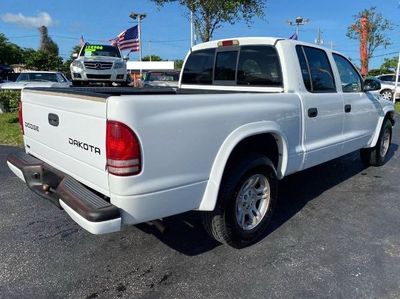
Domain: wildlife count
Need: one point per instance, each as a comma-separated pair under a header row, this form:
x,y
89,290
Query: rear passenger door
x,y
322,107
361,114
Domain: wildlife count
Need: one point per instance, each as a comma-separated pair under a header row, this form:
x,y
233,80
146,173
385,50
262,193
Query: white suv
x,y
98,64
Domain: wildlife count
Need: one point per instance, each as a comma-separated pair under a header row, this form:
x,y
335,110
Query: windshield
x,y
100,50
37,77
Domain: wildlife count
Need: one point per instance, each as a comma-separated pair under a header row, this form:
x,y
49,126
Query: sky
x,y
166,30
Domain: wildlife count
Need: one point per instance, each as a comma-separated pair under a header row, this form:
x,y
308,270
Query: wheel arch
x,y
264,131
388,114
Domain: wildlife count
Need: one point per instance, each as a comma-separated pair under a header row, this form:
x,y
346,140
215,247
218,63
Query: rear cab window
x,y
259,66
199,67
255,65
225,66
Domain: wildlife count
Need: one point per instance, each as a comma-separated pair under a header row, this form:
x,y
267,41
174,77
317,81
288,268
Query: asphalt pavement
x,y
336,234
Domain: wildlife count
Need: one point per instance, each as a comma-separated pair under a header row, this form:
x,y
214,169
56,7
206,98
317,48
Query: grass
x,y
398,107
10,133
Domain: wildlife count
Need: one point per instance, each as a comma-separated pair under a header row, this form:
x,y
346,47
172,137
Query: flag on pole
x,y
128,40
81,41
294,36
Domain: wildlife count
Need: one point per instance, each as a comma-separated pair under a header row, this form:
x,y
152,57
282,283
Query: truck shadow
x,y
185,232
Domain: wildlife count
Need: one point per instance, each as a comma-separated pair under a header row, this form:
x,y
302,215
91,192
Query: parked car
x,y
6,73
161,79
99,64
248,112
38,79
388,86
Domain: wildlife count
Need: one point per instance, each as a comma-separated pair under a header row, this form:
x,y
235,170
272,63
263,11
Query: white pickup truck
x,y
247,113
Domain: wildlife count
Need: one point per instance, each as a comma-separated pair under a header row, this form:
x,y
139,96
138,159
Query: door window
x,y
60,78
351,80
305,71
319,69
389,78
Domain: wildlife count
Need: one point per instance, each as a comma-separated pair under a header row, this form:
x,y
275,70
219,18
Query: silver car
x,y
38,79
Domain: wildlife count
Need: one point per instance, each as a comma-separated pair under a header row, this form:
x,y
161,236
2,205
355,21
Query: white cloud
x,y
41,19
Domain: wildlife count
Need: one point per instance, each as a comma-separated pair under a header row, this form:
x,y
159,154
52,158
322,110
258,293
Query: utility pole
x,y
150,50
299,21
319,40
332,44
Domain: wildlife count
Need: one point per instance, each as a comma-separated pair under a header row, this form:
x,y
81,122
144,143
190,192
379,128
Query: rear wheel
x,y
376,156
245,202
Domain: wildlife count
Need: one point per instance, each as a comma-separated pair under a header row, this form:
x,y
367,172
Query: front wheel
x,y
376,156
387,94
245,202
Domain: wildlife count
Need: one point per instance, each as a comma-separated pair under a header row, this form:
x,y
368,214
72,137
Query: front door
x,y
361,114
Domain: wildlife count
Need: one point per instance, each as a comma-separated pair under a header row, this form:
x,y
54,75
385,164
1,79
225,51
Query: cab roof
x,y
243,41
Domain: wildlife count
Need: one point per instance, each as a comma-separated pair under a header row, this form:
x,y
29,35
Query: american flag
x,y
81,41
128,40
294,36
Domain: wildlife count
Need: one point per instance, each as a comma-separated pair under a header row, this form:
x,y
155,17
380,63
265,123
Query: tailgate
x,y
68,130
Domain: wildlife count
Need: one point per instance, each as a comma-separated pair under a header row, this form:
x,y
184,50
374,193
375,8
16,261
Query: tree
x,y
46,43
209,15
178,64
9,53
65,67
373,26
152,58
43,61
390,64
375,72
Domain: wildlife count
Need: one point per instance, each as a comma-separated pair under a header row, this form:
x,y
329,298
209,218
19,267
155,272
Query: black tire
x,y
376,156
222,223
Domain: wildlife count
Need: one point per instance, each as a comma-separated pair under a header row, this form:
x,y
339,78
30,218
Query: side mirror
x,y
126,58
372,85
75,55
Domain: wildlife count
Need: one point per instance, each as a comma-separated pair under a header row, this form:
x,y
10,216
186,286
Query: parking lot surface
x,y
335,234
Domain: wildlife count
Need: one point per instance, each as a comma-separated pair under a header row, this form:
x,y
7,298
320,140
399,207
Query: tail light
x,y
123,150
21,120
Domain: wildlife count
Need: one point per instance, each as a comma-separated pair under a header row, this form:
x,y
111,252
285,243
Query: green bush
x,y
10,99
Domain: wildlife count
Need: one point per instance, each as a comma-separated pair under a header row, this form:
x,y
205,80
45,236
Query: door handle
x,y
312,112
347,108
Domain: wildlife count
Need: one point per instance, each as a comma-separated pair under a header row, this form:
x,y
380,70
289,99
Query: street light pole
x,y
299,21
139,17
191,30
